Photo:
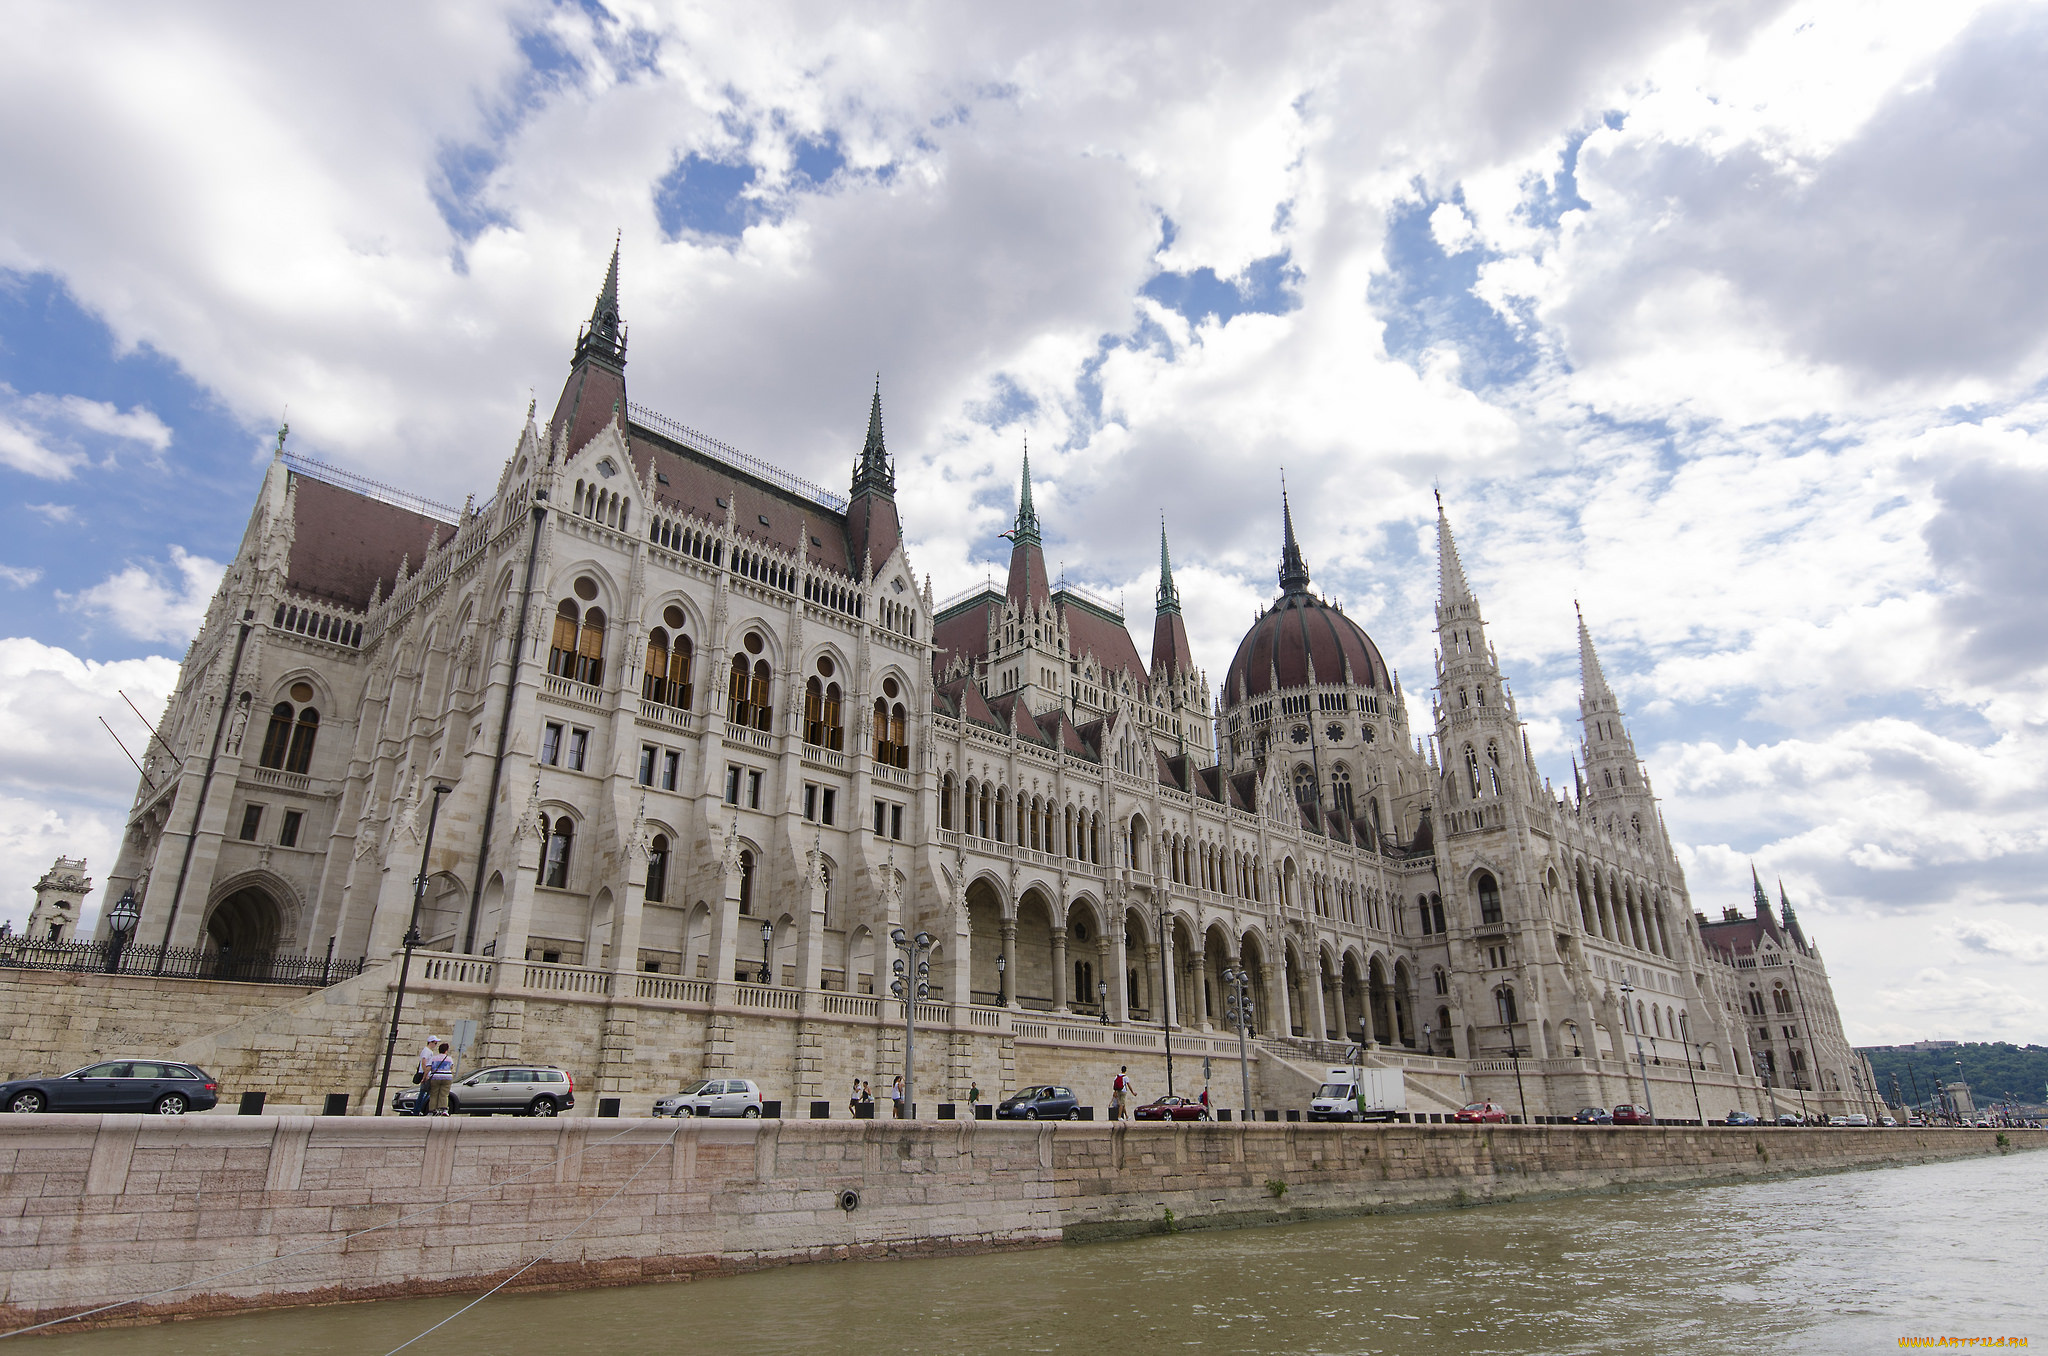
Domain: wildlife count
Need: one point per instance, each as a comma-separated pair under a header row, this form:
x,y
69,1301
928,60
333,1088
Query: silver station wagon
x,y
519,1089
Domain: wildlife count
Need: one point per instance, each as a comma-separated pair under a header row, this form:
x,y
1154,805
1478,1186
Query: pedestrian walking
x,y
440,1075
1205,1101
973,1099
419,1074
853,1099
896,1095
1119,1092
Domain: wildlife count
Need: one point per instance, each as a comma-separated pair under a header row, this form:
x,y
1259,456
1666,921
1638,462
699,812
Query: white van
x,y
1385,1093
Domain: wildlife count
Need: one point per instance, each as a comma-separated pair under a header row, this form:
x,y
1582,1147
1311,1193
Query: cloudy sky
x,y
1729,320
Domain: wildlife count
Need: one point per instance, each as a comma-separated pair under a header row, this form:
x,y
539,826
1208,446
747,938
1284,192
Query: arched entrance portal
x,y
243,929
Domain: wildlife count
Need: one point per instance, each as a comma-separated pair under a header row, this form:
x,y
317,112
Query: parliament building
x,y
692,741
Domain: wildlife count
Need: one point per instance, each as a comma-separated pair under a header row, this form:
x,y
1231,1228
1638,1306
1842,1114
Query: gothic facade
x,y
683,729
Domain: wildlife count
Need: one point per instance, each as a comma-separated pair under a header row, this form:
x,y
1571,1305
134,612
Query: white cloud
x,y
150,602
19,576
1998,939
1765,402
65,785
57,515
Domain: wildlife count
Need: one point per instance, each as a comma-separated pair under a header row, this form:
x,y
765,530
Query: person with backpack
x,y
440,1077
1119,1093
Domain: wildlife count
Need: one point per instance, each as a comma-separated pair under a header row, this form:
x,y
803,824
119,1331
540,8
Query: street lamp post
x,y
1635,1028
412,939
121,922
1102,999
1697,1109
1166,995
1515,1053
767,940
1238,1006
913,985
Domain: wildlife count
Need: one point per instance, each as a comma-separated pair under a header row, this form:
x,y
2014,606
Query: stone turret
x,y
60,901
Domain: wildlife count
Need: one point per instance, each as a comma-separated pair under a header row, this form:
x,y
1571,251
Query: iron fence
x,y
178,962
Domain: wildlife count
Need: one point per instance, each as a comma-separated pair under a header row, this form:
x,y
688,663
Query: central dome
x,y
1299,632
1299,635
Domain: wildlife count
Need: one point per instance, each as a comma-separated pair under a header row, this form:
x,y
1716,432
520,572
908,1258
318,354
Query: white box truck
x,y
1355,1094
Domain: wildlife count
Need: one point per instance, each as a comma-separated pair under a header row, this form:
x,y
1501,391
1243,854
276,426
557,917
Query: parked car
x,y
1788,1118
1593,1115
1481,1112
1887,1120
161,1086
1042,1103
517,1089
714,1097
1854,1118
1739,1118
1170,1109
1628,1113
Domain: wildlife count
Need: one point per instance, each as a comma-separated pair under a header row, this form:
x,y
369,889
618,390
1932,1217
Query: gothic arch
x,y
252,913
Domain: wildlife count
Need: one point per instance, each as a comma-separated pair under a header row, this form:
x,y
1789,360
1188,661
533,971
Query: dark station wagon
x,y
162,1086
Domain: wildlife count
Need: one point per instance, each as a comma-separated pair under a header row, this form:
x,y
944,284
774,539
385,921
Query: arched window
x,y
657,869
1504,1004
1340,792
739,707
746,880
554,862
1493,765
814,712
759,696
835,723
562,650
1489,898
590,648
304,732
946,802
278,738
1472,770
1781,998
666,679
1305,787
1443,982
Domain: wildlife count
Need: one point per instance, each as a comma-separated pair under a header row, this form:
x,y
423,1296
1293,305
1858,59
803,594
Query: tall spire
x,y
604,337
875,472
1592,681
1756,889
1168,599
1293,570
1026,530
1452,589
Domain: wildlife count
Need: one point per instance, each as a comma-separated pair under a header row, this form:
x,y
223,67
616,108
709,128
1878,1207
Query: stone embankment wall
x,y
103,1209
52,1021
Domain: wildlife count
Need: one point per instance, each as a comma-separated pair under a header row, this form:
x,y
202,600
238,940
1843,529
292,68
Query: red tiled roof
x,y
696,484
344,544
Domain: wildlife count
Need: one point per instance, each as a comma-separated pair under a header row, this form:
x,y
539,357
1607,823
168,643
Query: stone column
x,y
725,934
1110,961
1280,1021
1060,997
1009,927
810,937
1198,991
1322,1024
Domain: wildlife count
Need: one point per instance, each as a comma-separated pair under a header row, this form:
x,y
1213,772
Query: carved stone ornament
x,y
529,822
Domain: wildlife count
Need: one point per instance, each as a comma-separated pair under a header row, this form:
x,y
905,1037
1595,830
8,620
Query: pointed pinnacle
x,y
1592,681
1027,514
1293,570
1451,586
1169,596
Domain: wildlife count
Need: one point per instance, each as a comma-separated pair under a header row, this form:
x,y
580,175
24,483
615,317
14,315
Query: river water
x,y
1848,1262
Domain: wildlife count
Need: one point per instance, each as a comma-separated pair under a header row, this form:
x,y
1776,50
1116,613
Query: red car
x,y
1170,1109
1482,1113
1629,1114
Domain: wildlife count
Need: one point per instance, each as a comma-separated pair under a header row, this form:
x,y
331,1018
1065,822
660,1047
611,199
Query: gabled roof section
x,y
345,543
688,481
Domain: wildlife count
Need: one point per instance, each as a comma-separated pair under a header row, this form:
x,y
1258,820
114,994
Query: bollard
x,y
863,1111
336,1104
608,1108
1293,1113
771,1111
821,1111
252,1104
946,1112
984,1112
1272,1113
1223,1113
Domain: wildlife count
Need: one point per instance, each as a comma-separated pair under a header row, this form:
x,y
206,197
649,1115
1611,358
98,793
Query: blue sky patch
x,y
126,503
704,197
1425,298
1266,287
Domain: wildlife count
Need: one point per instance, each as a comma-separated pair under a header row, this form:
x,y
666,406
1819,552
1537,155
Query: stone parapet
x,y
251,1212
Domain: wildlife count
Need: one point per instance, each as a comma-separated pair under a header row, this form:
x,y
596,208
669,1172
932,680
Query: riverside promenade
x,y
219,1214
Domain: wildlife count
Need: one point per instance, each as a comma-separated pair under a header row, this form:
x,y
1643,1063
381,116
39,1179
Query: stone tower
x,y
60,900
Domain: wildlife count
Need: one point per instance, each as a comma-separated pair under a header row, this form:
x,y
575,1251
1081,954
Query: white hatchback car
x,y
714,1097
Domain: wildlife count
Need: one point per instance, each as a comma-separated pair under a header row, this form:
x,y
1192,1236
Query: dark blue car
x,y
161,1086
1043,1103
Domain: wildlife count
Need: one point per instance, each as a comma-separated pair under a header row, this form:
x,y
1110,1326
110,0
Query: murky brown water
x,y
1844,1263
